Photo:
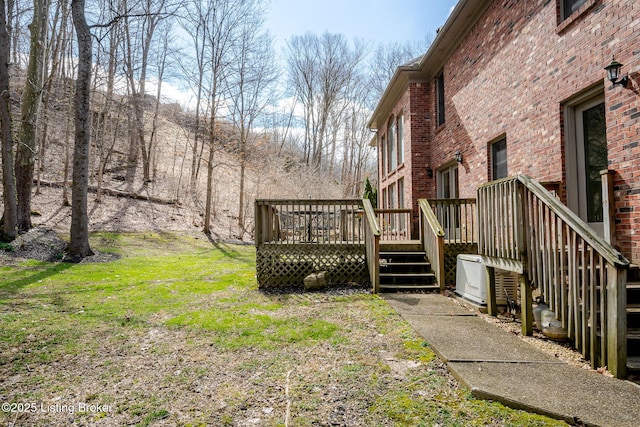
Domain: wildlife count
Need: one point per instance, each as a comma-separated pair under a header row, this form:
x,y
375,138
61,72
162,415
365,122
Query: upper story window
x,y
570,6
383,155
499,159
400,133
440,99
391,144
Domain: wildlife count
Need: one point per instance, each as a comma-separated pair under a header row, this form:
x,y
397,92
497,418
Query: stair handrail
x,y
610,253
432,239
372,244
580,276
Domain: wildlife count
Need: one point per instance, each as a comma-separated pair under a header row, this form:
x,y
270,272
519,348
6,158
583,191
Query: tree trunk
x,y
31,99
79,241
9,215
209,202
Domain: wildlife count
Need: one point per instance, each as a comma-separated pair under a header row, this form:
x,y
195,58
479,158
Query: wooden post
x,y
440,262
258,218
526,305
490,275
376,264
608,206
616,321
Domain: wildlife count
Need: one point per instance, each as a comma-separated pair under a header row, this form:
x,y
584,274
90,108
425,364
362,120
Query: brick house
x,y
519,87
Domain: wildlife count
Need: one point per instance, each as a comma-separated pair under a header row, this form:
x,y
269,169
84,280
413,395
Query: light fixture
x,y
613,73
429,172
458,156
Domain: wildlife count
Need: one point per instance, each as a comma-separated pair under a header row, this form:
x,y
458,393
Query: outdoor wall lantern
x,y
429,172
458,156
613,73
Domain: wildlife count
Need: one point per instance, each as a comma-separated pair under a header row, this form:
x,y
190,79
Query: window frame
x,y
494,164
391,193
569,7
383,153
392,145
440,100
400,138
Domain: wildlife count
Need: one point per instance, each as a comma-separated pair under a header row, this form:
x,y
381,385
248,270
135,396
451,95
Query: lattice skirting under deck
x,y
288,265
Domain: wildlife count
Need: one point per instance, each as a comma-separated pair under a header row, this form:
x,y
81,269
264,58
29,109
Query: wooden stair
x,y
633,320
404,267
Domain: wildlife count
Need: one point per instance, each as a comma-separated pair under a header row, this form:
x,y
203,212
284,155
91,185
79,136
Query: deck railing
x,y
308,221
580,276
395,224
458,219
295,238
372,244
432,237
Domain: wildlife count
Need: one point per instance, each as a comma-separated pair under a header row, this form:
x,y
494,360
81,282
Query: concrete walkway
x,y
497,365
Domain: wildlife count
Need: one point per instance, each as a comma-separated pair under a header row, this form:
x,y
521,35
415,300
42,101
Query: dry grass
x,y
175,332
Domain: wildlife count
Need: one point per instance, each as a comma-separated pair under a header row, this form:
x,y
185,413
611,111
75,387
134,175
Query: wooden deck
x,y
516,224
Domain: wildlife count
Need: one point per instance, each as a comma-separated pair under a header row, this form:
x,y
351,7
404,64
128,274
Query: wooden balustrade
x,y
432,237
457,218
394,224
288,222
579,275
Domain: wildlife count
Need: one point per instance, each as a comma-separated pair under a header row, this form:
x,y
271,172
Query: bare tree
x,y
195,69
67,70
31,100
320,71
251,91
108,120
388,57
138,41
79,241
60,33
161,68
10,213
224,20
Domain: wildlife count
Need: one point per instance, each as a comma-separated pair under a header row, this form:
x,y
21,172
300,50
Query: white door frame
x,y
575,153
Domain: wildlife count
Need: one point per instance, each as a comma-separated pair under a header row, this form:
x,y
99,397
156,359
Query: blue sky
x,y
372,20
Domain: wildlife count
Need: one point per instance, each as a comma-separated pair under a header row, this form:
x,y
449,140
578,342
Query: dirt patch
x,y
45,244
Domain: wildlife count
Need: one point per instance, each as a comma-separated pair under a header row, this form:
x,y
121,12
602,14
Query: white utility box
x,y
471,282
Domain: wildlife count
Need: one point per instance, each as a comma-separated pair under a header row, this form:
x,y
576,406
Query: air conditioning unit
x,y
471,282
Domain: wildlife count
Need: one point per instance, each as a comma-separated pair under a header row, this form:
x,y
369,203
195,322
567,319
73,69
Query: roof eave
x,y
458,24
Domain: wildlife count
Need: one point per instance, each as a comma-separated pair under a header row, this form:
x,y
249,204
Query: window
x,y
383,156
384,199
448,182
440,99
570,6
449,214
391,141
594,133
499,159
402,226
400,139
392,196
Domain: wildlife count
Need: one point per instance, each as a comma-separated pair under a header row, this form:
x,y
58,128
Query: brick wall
x,y
415,106
513,75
